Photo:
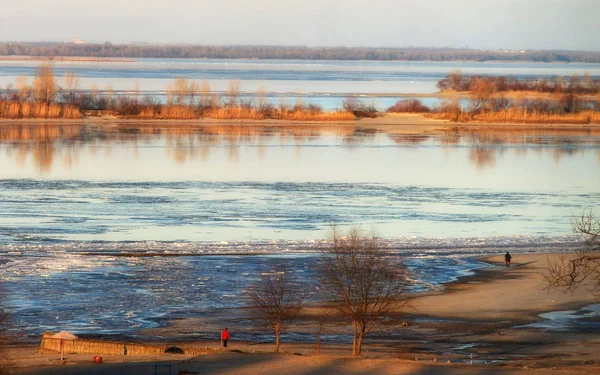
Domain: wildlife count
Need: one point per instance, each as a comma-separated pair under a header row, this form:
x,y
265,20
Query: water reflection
x,y
59,145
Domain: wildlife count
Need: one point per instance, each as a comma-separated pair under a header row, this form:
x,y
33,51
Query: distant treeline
x,y
288,52
574,84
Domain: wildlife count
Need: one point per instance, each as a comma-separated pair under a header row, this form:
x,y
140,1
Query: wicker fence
x,y
81,346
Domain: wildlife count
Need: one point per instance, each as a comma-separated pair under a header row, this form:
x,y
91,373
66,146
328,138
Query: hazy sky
x,y
510,24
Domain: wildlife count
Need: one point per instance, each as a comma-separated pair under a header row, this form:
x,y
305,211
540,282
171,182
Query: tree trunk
x,y
354,338
318,344
277,333
359,344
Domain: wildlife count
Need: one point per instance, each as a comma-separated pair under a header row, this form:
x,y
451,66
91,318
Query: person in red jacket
x,y
224,337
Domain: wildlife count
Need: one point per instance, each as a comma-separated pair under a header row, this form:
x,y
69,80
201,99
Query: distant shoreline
x,y
270,52
66,58
409,123
134,60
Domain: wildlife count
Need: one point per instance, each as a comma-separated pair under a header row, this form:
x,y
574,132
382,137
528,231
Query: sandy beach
x,y
481,315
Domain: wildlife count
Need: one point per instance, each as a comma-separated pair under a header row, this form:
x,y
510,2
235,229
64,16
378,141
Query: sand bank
x,y
485,315
400,123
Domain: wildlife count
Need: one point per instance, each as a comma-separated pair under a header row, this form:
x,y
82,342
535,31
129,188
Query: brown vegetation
x,y
356,107
516,115
455,81
185,101
409,106
487,102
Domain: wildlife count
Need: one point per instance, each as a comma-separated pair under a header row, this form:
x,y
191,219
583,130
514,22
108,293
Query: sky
x,y
483,24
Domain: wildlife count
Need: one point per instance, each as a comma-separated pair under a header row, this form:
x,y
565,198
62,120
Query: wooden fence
x,y
81,346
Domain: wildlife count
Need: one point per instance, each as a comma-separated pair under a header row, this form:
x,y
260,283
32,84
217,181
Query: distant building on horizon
x,y
77,41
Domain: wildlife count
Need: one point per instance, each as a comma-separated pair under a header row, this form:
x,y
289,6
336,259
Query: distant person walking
x,y
224,337
507,258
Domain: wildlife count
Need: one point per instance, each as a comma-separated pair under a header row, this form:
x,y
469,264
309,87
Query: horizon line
x,y
189,44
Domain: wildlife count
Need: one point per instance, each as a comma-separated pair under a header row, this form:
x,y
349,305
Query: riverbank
x,y
273,364
405,123
484,317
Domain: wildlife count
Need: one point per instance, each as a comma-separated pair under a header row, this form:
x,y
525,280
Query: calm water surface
x,y
74,199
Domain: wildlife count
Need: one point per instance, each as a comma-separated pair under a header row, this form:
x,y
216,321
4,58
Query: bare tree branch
x,y
322,318
276,300
583,268
368,282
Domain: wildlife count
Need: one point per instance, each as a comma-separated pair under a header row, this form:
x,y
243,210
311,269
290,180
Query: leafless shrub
x,y
569,273
367,282
276,299
481,93
359,109
409,106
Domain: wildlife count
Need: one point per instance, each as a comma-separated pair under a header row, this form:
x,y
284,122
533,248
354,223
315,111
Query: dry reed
x,y
516,115
16,110
235,113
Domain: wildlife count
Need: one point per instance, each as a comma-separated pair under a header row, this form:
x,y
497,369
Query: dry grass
x,y
327,116
243,113
235,113
173,112
16,110
186,101
522,116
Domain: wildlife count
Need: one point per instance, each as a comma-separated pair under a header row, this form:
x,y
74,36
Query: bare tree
x,y
233,93
71,86
23,88
276,299
322,318
261,97
583,268
455,77
169,95
481,92
44,84
368,282
205,94
193,89
136,92
94,96
184,91
109,92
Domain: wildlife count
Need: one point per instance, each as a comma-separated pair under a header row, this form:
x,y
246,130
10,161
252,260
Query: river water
x,y
109,229
325,83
